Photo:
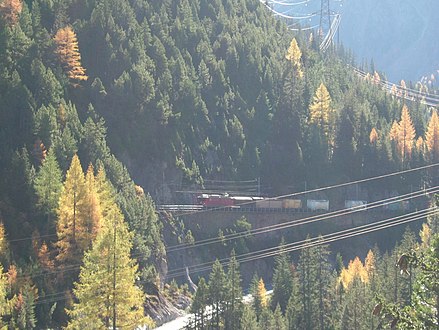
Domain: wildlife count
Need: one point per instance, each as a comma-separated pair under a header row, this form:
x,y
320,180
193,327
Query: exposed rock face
x,y
162,310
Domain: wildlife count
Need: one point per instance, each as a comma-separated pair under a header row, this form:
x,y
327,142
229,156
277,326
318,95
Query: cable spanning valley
x,y
290,247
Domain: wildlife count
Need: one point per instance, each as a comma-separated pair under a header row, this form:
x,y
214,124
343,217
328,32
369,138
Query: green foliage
x,y
109,270
282,280
422,313
48,186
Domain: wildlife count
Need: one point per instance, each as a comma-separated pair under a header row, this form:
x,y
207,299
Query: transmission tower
x,y
325,18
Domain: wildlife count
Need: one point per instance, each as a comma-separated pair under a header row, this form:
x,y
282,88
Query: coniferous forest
x,y
108,107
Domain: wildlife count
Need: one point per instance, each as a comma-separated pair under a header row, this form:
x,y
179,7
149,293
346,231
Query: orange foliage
x,y
262,293
369,263
373,137
44,257
10,11
432,137
139,191
12,275
403,133
67,50
39,152
355,270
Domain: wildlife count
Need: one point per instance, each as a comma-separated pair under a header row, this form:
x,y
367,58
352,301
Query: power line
x,y
306,220
324,188
324,239
347,233
75,267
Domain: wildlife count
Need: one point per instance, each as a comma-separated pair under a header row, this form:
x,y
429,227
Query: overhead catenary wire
x,y
306,220
76,267
279,196
286,3
324,239
340,185
404,92
320,217
276,13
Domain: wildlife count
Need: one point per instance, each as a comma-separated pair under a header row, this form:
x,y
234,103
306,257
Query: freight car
x,y
261,204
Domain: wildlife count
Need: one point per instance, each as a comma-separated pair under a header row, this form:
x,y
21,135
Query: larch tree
x,y
432,137
107,296
259,293
10,11
70,226
92,209
407,134
67,51
403,134
320,109
294,55
373,136
262,294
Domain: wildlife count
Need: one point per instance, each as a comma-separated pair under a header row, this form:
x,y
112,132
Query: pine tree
x,y
4,248
278,321
5,306
68,53
105,191
432,137
106,291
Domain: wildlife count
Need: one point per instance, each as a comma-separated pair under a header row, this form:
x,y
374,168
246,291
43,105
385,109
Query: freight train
x,y
286,204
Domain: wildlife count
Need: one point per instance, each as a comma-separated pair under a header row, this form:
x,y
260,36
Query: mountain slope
x,y
398,35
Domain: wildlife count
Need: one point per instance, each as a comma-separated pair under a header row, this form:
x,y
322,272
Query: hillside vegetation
x,y
170,93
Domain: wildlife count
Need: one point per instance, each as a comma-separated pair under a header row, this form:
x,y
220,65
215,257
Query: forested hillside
x,y
170,93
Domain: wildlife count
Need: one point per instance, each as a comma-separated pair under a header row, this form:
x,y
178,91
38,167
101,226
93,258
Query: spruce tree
x,y
248,319
217,293
234,303
48,187
282,280
199,304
